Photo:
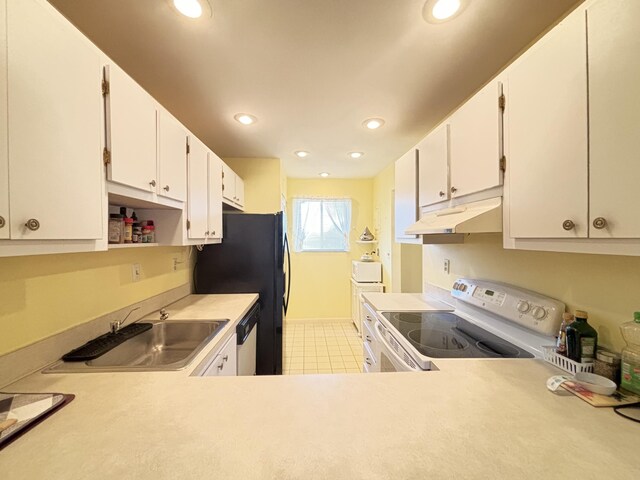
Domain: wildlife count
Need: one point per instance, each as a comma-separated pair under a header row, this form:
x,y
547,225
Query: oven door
x,y
392,357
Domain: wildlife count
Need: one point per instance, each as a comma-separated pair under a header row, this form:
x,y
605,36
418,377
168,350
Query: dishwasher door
x,y
247,341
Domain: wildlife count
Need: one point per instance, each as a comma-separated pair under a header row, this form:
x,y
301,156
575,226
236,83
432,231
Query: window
x,y
321,224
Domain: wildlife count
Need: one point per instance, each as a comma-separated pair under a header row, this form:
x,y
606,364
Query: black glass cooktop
x,y
446,335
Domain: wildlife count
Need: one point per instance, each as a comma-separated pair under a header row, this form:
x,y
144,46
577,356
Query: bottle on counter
x,y
630,379
561,343
582,339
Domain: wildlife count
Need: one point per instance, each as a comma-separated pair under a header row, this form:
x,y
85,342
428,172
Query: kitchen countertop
x,y
403,302
472,419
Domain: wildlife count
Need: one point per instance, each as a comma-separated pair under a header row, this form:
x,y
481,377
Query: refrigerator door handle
x,y
288,274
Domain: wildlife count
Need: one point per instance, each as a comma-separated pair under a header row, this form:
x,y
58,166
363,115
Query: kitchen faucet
x,y
115,326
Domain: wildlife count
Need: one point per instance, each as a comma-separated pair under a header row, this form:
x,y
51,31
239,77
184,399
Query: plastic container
x,y
116,228
630,378
582,339
607,365
563,362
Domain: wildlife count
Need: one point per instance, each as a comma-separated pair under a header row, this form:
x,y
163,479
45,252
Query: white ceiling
x,y
312,70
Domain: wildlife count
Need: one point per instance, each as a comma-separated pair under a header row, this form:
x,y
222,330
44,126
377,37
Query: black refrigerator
x,y
251,259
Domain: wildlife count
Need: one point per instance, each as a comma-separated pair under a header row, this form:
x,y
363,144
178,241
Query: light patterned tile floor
x,y
315,346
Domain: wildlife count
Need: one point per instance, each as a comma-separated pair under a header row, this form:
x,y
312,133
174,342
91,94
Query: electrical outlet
x,y
447,266
136,272
175,263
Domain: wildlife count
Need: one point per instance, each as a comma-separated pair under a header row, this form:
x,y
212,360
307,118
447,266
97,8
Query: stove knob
x,y
523,306
456,285
538,313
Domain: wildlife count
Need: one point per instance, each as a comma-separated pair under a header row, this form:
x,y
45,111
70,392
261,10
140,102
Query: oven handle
x,y
388,349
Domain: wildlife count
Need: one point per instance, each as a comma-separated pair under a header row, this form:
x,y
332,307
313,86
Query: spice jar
x,y
116,228
128,230
136,234
607,364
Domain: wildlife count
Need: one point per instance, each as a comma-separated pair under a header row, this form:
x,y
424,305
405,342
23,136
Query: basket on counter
x,y
565,363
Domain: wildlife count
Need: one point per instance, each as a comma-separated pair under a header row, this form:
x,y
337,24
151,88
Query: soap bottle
x,y
631,355
582,339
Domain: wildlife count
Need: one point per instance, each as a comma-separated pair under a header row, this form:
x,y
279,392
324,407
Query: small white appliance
x,y
366,272
488,320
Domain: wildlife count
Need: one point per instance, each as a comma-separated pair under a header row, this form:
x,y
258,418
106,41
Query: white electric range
x,y
484,320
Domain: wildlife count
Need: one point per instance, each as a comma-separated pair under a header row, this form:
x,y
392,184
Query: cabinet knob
x,y
368,338
367,361
568,225
2,222
454,189
213,233
225,358
600,223
441,193
32,224
221,366
166,188
152,183
206,234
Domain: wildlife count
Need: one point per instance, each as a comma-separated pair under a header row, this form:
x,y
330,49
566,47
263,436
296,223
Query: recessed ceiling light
x,y
438,11
301,153
245,118
373,123
192,8
356,154
324,174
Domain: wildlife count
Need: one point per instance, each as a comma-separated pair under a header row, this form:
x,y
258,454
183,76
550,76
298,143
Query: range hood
x,y
450,224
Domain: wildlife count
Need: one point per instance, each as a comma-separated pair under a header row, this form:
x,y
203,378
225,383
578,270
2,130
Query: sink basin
x,y
168,345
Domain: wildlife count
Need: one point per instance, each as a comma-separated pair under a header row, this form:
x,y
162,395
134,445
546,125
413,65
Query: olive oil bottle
x,y
582,339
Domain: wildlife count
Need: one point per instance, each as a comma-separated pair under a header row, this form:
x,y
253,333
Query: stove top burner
x,y
446,335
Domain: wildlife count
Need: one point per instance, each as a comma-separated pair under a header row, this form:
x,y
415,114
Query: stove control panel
x,y
529,309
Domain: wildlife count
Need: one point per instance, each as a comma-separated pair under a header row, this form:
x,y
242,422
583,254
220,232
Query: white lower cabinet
x,y
225,361
51,173
357,289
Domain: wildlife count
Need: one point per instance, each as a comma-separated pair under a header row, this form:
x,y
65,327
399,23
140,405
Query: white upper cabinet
x,y
198,172
475,135
228,183
239,191
614,116
546,128
433,167
172,157
54,128
215,196
406,195
4,153
131,127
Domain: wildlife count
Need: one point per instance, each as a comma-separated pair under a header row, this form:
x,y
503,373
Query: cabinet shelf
x,y
114,246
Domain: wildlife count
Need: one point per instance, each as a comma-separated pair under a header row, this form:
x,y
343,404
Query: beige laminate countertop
x,y
480,419
403,302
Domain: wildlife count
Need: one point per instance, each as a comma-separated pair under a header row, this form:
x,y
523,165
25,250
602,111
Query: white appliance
x,y
487,320
366,272
247,335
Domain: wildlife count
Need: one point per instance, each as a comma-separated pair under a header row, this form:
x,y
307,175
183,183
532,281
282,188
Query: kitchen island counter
x,y
472,419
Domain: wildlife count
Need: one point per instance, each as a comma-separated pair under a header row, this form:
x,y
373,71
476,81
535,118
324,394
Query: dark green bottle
x,y
582,339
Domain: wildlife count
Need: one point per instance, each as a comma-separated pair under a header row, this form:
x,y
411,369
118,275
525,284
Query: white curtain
x,y
339,212
300,221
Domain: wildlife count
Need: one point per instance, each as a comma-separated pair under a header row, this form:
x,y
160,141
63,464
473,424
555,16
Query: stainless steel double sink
x,y
168,345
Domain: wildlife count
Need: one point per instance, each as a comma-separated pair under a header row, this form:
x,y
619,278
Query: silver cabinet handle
x,y
441,193
152,183
221,366
368,339
367,361
568,225
206,234
213,233
166,188
600,223
454,189
32,224
2,222
225,358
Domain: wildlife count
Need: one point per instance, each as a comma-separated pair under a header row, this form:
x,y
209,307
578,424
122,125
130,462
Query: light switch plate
x,y
136,271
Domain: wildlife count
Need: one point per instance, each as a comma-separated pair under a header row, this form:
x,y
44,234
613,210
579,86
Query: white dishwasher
x,y
247,335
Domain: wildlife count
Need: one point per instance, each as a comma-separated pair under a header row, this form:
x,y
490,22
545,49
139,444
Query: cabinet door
x,y
4,158
131,117
355,306
225,362
239,191
475,136
406,195
215,196
54,126
198,199
614,116
172,157
547,135
433,167
228,183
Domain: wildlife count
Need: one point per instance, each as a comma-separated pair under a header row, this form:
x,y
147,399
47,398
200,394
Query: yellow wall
x,y
603,285
262,183
321,285
46,294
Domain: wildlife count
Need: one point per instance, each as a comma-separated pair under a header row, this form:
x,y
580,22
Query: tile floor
x,y
314,346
